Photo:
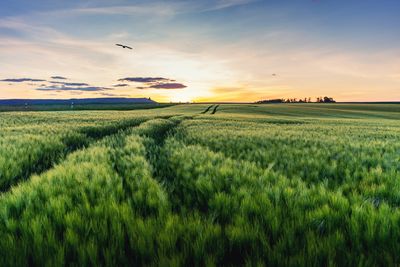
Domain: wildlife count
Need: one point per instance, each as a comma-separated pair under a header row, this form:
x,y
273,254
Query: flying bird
x,y
123,46
273,74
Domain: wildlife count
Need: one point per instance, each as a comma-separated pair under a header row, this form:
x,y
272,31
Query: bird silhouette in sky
x,y
123,46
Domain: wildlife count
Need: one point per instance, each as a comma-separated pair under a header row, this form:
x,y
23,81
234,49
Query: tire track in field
x,y
88,135
215,109
155,155
207,109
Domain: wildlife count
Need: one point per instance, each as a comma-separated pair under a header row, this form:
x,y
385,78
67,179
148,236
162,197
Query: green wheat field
x,y
202,185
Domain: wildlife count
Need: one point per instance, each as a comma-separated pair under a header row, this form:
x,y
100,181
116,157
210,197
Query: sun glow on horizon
x,y
267,50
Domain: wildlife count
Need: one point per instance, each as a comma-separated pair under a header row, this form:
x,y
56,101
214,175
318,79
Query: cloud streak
x,y
21,80
158,8
154,83
70,84
145,79
168,86
222,4
58,78
71,88
113,95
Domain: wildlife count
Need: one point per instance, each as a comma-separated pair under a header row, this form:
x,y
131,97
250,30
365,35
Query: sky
x,y
209,50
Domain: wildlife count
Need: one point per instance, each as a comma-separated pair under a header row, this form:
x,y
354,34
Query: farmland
x,y
61,107
215,185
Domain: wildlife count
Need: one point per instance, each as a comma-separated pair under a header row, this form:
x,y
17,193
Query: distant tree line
x,y
324,99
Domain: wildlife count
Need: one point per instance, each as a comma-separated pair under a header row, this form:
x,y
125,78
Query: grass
x,y
275,185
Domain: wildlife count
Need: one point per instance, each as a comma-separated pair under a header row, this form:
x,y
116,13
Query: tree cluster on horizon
x,y
320,99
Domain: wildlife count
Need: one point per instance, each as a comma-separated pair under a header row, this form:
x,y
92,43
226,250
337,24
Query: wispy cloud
x,y
50,43
21,80
28,27
70,88
155,8
222,4
160,9
145,79
154,83
167,86
121,85
69,84
113,95
58,78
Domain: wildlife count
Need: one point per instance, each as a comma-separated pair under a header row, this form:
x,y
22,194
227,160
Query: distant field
x,y
56,107
215,185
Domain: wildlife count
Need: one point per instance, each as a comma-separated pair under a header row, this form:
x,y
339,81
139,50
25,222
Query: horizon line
x,y
205,102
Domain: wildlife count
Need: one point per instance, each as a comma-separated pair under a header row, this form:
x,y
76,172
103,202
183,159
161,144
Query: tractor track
x,y
207,109
89,136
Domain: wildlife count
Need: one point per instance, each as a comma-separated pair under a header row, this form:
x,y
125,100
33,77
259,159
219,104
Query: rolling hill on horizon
x,y
120,100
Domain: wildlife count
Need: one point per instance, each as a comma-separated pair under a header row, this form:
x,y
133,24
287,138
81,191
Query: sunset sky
x,y
220,50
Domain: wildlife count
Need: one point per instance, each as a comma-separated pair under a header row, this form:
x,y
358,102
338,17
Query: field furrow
x,y
108,186
207,109
215,109
40,153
